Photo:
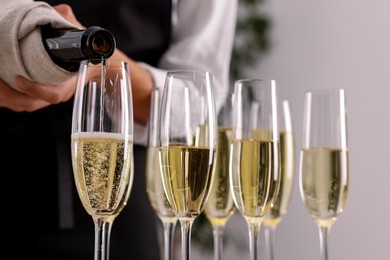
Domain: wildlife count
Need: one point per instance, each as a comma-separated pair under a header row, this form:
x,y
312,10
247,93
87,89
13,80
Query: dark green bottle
x,y
68,47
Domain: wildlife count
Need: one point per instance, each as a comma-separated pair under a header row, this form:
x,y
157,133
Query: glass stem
x,y
324,231
102,238
169,230
254,229
269,241
218,238
186,225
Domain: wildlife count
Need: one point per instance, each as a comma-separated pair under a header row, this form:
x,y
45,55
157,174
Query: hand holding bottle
x,y
42,95
31,95
34,96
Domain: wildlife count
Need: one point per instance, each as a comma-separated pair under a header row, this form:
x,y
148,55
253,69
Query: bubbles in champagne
x,y
103,171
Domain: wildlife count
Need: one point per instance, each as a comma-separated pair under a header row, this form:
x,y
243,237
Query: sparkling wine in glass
x,y
324,166
188,140
102,144
154,185
219,206
279,206
255,152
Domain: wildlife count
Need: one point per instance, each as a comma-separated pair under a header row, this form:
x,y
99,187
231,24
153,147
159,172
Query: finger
x,y
52,94
17,101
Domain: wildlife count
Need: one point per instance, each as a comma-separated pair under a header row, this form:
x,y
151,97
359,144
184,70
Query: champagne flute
x,y
324,166
154,186
102,144
281,203
255,152
219,206
188,142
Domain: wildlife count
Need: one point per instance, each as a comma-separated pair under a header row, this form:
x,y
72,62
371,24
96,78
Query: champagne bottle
x,y
68,47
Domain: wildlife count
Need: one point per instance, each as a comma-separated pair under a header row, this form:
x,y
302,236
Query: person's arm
x,y
35,96
32,95
202,39
142,84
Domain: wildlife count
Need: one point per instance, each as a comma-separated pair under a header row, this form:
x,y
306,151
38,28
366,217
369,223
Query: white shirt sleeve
x,y
202,38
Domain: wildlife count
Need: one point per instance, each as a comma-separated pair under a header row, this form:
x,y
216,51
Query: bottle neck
x,y
68,47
